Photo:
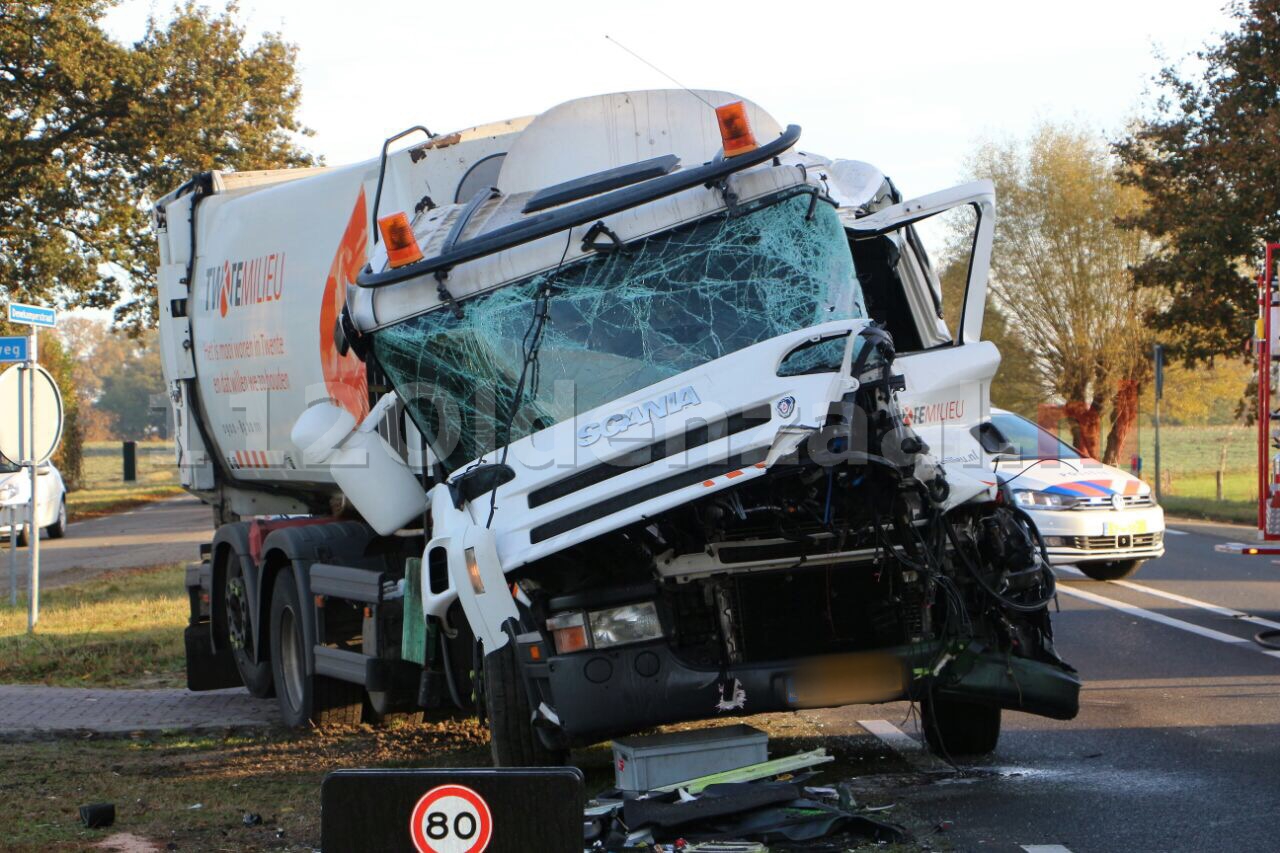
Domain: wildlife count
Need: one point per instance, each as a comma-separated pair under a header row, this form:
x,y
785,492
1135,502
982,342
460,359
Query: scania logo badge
x,y
649,411
786,406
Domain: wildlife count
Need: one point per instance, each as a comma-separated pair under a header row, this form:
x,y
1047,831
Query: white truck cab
x,y
618,402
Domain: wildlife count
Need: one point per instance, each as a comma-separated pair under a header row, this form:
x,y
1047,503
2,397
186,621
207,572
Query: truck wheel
x,y
1113,570
317,699
512,739
23,539
257,677
59,527
954,727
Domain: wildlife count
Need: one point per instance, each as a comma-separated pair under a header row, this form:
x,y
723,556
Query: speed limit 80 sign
x,y
451,819
482,810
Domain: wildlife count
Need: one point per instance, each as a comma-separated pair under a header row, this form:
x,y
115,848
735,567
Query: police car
x,y
1096,517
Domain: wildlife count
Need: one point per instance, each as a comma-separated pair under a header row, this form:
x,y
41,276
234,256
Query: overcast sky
x,y
908,86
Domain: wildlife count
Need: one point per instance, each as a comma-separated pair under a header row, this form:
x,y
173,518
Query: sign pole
x,y
1157,354
33,529
13,556
25,452
13,510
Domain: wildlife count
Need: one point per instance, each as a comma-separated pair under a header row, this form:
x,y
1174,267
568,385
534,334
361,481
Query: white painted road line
x,y
1044,848
891,735
1166,620
1175,532
1239,615
1203,605
904,744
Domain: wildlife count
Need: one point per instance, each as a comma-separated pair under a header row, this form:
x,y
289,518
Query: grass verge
x,y
119,629
104,490
192,792
1209,509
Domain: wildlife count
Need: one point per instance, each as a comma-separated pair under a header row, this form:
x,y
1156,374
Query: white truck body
x,y
704,346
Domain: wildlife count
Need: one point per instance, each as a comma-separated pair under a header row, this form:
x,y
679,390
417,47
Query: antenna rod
x,y
659,70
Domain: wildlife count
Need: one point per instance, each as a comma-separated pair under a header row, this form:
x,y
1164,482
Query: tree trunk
x,y
1087,426
1124,414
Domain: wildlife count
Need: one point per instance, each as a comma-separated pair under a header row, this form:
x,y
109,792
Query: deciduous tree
x,y
1060,274
93,128
1208,158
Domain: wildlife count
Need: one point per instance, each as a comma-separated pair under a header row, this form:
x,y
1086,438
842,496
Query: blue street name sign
x,y
32,315
13,349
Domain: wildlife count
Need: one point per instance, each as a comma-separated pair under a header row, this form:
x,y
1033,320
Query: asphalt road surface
x,y
164,532
1177,745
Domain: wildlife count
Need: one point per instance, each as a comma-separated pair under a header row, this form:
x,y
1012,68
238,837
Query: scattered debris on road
x,y
766,801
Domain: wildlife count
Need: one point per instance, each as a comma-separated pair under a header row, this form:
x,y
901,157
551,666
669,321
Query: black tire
x,y
257,677
315,700
1113,570
23,539
512,739
59,527
953,727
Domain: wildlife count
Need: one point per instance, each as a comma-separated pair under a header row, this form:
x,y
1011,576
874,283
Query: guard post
x,y
129,454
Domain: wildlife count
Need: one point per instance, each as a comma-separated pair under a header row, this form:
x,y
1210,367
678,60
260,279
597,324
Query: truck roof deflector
x,y
601,182
533,228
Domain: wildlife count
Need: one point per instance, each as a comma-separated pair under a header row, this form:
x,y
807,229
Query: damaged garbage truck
x,y
624,414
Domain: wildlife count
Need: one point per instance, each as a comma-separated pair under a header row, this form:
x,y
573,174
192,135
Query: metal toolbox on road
x,y
651,761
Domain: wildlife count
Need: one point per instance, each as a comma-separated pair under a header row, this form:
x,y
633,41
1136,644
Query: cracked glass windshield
x,y
618,322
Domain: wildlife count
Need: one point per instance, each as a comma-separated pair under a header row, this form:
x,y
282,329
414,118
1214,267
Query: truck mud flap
x,y
1013,683
208,669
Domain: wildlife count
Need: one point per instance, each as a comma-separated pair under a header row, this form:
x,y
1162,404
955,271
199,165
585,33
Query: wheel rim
x,y
291,657
238,631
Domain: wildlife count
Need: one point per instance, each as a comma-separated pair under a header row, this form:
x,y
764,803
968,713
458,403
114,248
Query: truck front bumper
x,y
590,696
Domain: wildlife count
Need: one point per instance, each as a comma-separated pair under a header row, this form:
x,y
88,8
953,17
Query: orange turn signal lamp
x,y
569,632
735,130
397,236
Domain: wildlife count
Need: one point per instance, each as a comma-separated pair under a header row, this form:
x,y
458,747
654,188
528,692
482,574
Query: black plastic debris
x,y
98,815
764,811
717,801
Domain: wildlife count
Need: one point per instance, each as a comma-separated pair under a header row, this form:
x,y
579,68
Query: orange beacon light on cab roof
x,y
397,236
735,130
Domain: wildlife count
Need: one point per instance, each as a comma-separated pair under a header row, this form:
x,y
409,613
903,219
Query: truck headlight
x,y
8,492
601,629
617,626
1032,499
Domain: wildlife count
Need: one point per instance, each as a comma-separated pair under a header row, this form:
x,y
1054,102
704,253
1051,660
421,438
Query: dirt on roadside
x,y
260,790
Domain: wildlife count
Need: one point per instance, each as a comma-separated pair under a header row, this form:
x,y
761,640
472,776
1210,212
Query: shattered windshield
x,y
619,322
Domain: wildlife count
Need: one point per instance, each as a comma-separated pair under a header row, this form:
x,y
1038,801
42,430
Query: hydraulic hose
x,y
1050,579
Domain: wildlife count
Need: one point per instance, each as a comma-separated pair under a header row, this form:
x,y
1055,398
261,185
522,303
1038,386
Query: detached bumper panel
x,y
1016,684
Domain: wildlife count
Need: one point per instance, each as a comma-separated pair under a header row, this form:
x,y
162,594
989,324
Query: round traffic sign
x,y
15,405
451,819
